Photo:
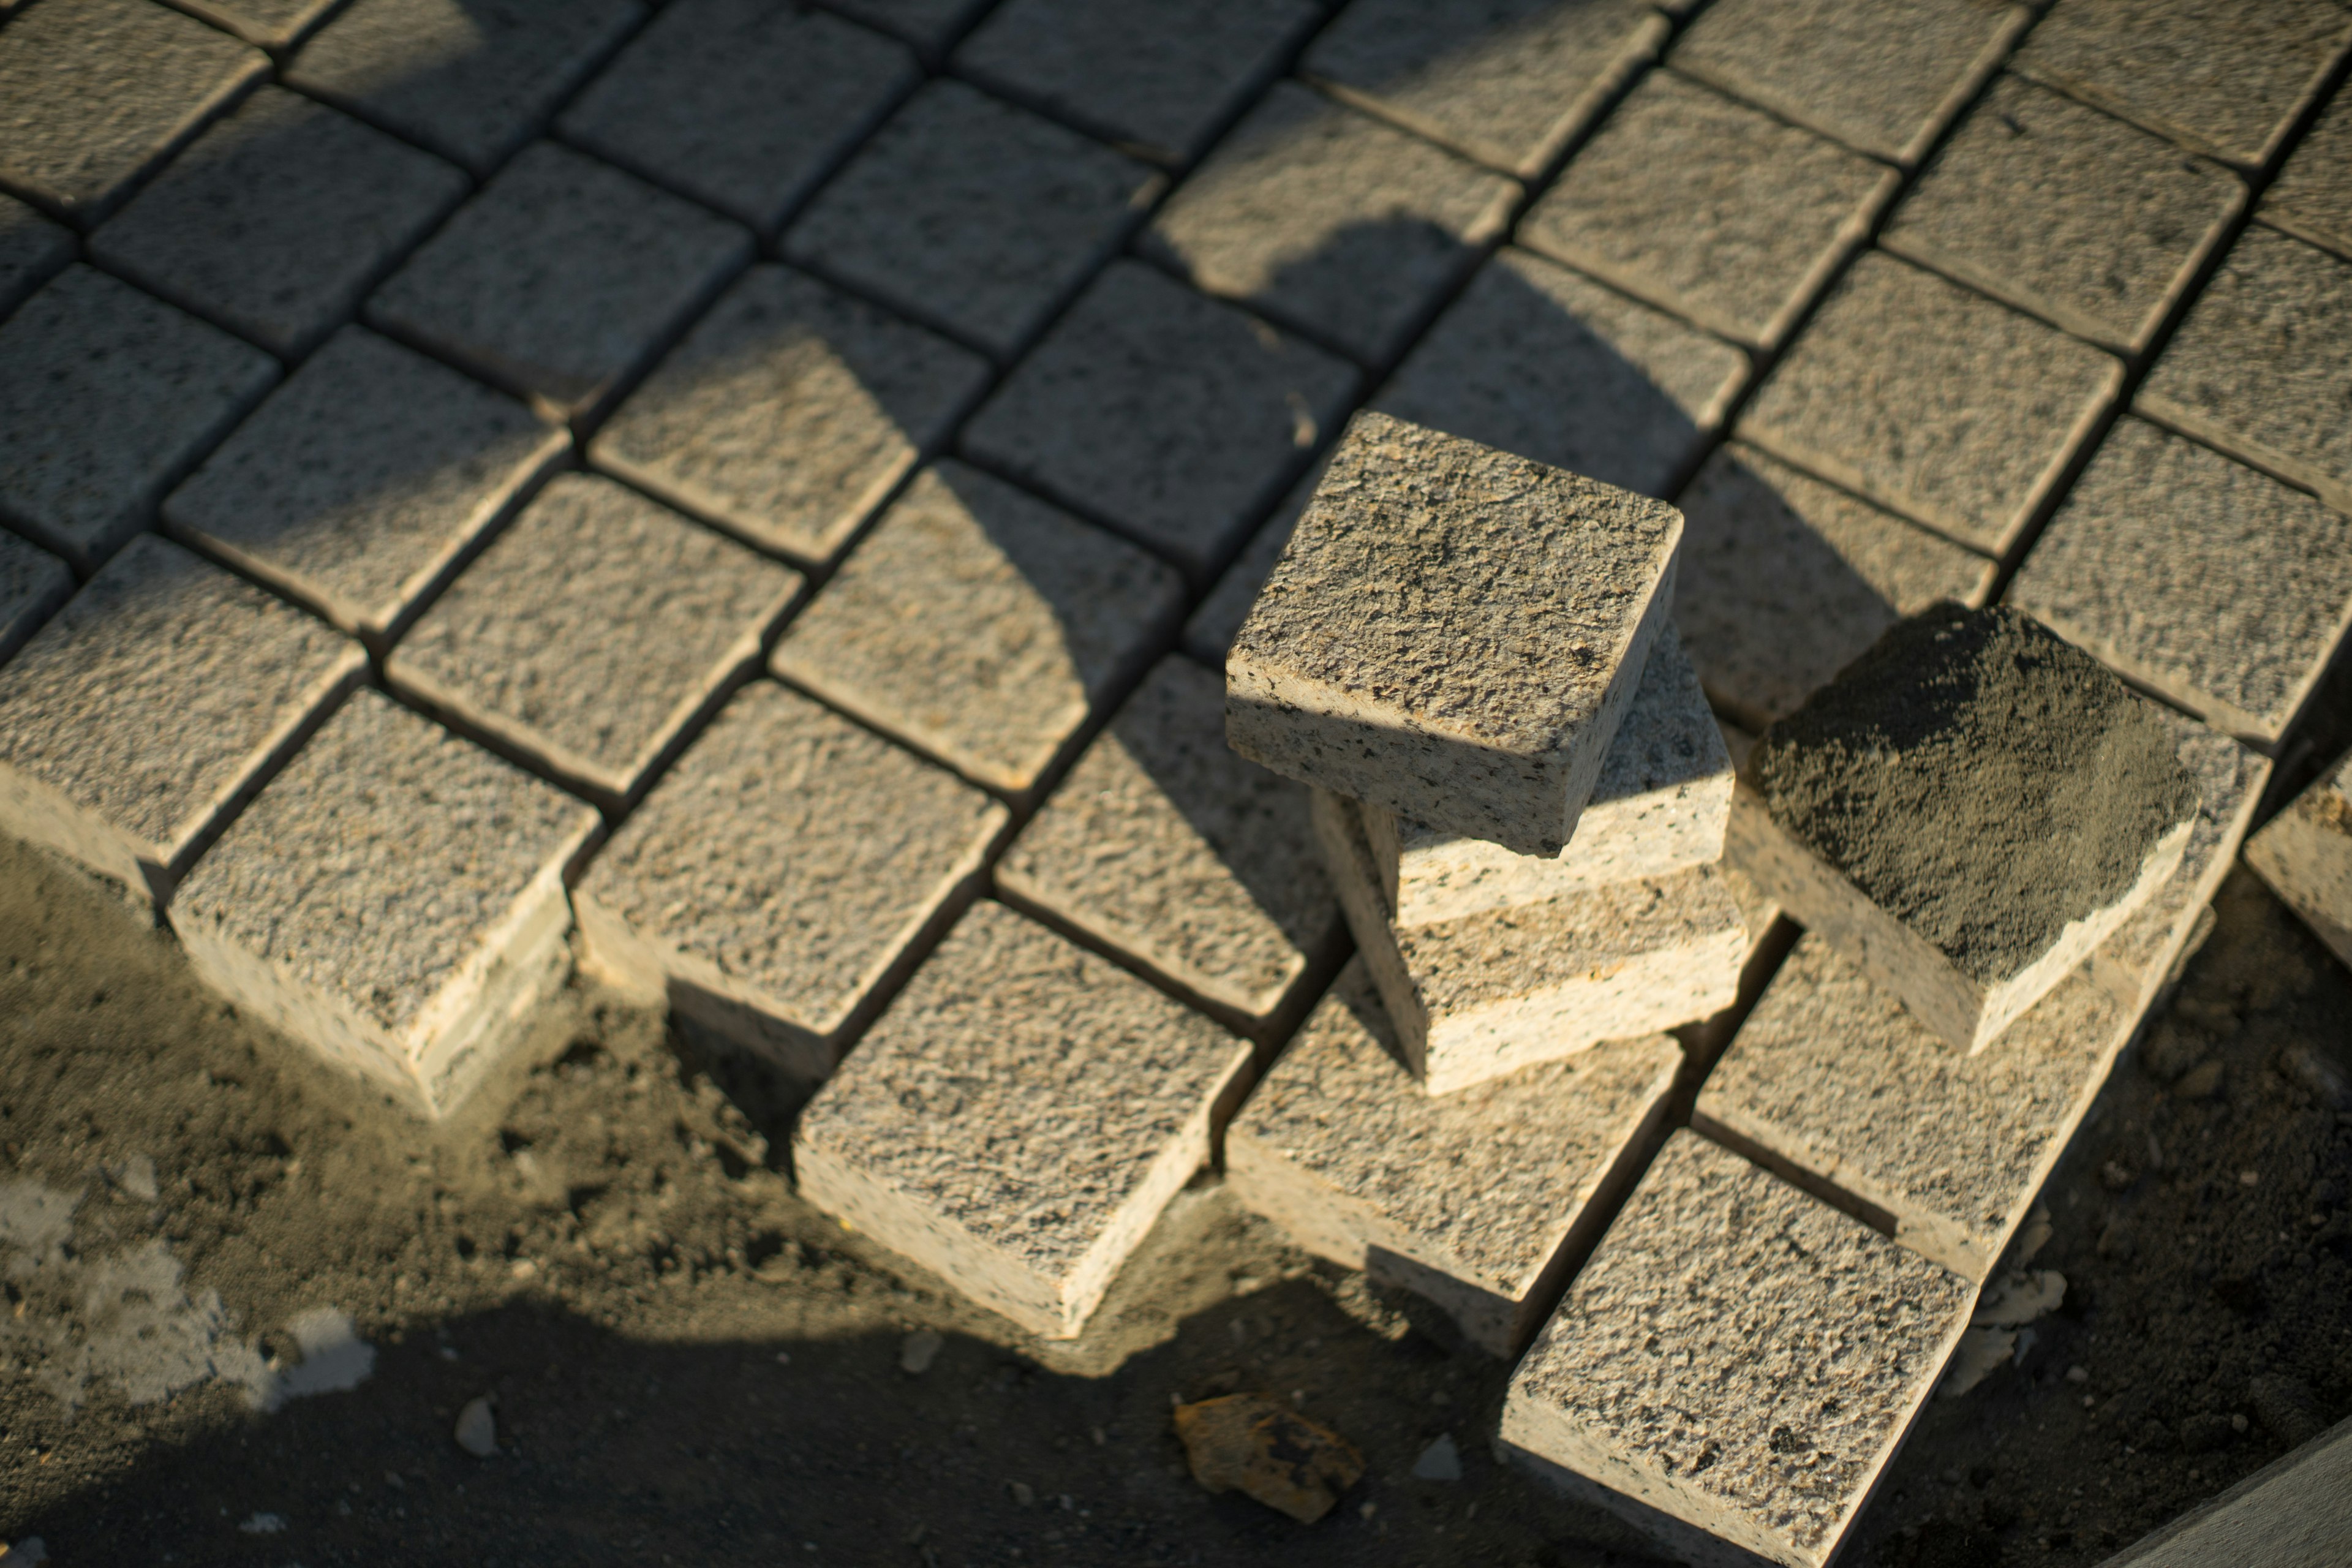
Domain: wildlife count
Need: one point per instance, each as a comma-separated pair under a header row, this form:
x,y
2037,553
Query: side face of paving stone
x,y
32,251
32,583
2312,197
2304,853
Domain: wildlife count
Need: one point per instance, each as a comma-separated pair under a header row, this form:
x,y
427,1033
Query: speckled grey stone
x,y
593,633
789,411
1481,1201
2292,1514
775,881
2304,853
1736,1364
1707,206
473,80
32,250
928,24
106,395
560,278
135,722
1018,1119
363,484
32,583
1331,221
1934,402
1536,360
744,104
394,900
1164,845
1453,633
2312,197
1177,420
1220,612
272,24
980,626
972,216
1784,581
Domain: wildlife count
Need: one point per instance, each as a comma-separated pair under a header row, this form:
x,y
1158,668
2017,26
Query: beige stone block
x,y
2304,853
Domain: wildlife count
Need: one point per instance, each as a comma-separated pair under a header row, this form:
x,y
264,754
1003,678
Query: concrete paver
x,y
32,251
1219,614
930,25
271,24
2304,853
2312,197
2293,1513
32,583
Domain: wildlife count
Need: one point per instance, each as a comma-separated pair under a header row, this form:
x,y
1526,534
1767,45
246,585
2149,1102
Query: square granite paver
x,y
32,251
560,278
780,877
2312,197
744,104
2304,853
982,626
1934,401
789,411
593,633
1177,420
106,395
363,484
272,24
1219,614
279,218
932,26
1709,207
32,583
1331,221
973,215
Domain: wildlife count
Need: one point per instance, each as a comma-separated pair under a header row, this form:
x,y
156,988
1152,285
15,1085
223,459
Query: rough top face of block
x,y
2312,197
32,583
1978,780
32,249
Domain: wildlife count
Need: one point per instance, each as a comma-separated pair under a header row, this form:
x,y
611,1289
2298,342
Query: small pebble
x,y
2249,1178
1441,1461
1022,1492
478,1429
2078,1374
920,1349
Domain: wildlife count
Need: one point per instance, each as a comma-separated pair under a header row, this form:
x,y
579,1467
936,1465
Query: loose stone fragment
x,y
2304,853
32,583
1256,1444
32,250
2312,197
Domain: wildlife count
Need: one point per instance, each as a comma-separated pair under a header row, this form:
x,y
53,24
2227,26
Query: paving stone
x,y
1709,207
134,723
980,626
2312,197
1736,1366
777,880
473,80
2304,853
394,900
363,484
1018,1119
972,216
1884,79
32,251
279,218
593,633
744,104
2290,1513
1164,845
1934,401
1538,361
928,24
789,411
107,396
1453,633
1220,612
1331,221
560,278
2262,366
272,24
2228,80
96,93
32,583
1177,420
1784,581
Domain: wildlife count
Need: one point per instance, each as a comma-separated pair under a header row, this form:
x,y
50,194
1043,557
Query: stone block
x,y
1935,402
777,881
107,396
744,104
1017,1119
361,485
1709,207
32,251
2312,197
1538,361
1736,1366
1453,633
271,24
32,583
2290,1513
592,634
139,718
1163,846
1482,1201
1176,419
394,900
932,26
1033,209
789,413
980,626
2304,853
1220,612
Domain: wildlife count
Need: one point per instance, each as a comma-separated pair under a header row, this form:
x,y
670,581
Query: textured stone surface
x,y
134,722
2293,1513
1737,1361
363,482
1934,401
928,24
781,873
32,583
1454,633
2312,197
32,250
394,900
272,24
1481,1200
1710,207
1165,845
593,632
1017,1119
789,411
1220,612
1331,222
106,395
1177,420
2304,853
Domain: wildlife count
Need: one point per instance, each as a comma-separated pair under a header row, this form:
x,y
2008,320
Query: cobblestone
x,y
1220,614
2304,853
271,24
2312,197
32,251
930,24
32,583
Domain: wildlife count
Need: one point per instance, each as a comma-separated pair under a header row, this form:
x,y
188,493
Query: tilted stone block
x,y
2304,853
